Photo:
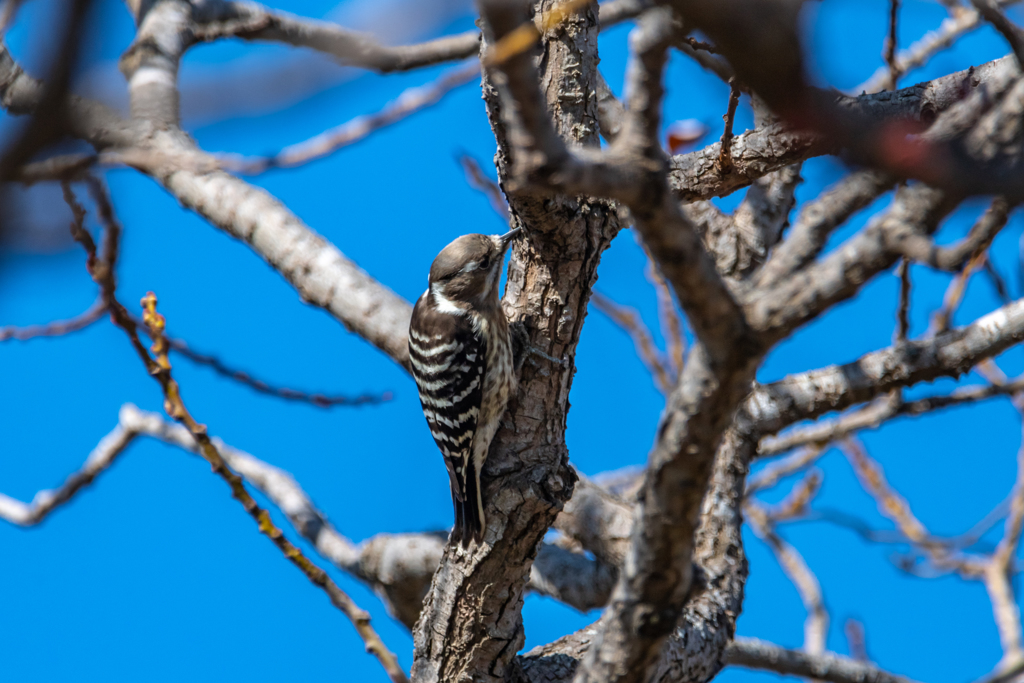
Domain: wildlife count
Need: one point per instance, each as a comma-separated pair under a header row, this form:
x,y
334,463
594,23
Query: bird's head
x,y
466,272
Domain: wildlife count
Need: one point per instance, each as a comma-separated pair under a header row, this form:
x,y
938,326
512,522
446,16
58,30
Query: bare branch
x,y
57,328
668,317
410,102
903,307
241,376
889,51
997,576
479,180
757,654
879,412
251,21
652,357
961,22
321,274
725,146
793,564
808,395
893,506
855,639
818,219
840,274
598,521
1013,34
922,249
160,369
696,176
46,501
782,468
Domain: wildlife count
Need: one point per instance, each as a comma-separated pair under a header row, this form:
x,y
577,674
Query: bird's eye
x,y
485,263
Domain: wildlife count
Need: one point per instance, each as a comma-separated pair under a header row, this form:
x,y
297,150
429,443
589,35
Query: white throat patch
x,y
444,304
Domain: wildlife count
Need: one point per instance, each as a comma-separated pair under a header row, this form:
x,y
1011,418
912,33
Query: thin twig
x,y
408,103
1013,34
57,328
903,312
725,150
796,569
942,318
160,369
997,575
668,316
875,414
480,181
917,55
256,384
889,51
856,640
794,505
998,283
782,468
893,506
47,500
828,666
629,320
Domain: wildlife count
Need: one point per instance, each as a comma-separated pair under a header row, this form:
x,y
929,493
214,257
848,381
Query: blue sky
x,y
155,573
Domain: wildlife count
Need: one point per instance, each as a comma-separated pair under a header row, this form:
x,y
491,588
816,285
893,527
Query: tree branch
x,y
875,414
807,395
757,654
57,328
695,175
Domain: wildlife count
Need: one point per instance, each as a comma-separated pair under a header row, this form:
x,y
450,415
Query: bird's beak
x,y
506,239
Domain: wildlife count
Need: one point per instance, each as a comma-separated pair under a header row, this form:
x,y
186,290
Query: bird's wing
x,y
448,359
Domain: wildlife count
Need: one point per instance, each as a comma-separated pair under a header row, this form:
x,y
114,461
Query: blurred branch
x,y
856,640
894,507
942,318
757,654
480,181
668,316
251,21
7,13
922,249
160,369
223,369
47,500
48,123
993,15
891,42
630,321
775,472
997,576
411,101
58,328
903,307
796,569
810,394
875,414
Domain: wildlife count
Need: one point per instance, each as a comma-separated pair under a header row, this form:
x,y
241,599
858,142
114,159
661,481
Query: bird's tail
x,y
469,511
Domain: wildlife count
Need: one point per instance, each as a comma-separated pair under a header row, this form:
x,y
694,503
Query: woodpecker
x,y
461,355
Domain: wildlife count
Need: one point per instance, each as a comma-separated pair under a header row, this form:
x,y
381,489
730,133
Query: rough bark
x,y
471,625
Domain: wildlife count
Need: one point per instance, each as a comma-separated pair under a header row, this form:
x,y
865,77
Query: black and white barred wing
x,y
448,361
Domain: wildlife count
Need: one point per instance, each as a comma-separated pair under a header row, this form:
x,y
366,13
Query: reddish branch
x,y
159,367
